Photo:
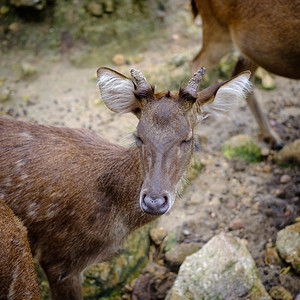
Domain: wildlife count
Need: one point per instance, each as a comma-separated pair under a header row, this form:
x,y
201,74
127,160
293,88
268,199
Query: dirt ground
x,y
247,199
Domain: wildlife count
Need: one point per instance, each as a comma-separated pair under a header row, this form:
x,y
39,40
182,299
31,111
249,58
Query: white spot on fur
x,y
52,209
24,176
20,163
26,134
13,287
32,209
227,95
7,181
117,92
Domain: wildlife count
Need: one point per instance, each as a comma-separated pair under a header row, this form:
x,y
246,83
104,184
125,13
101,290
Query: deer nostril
x,y
154,204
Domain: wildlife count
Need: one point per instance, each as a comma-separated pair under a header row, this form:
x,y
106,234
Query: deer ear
x,y
117,91
218,99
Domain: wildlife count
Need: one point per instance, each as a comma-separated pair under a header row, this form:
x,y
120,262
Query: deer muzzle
x,y
155,203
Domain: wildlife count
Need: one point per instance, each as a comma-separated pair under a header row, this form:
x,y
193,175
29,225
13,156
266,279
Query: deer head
x,y
164,134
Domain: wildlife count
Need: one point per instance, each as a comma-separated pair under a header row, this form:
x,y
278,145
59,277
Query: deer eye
x,y
138,140
187,141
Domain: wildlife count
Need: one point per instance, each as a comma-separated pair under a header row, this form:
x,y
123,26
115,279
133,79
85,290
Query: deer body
x,y
265,32
17,274
79,196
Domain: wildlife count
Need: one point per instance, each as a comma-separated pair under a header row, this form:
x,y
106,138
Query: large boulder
x,y
222,269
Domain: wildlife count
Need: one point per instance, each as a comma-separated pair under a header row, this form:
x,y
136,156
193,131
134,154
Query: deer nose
x,y
154,204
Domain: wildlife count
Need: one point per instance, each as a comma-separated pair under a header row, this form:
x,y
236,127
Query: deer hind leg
x,y
216,43
268,133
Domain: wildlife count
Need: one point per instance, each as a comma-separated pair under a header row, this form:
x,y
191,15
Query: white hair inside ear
x,y
116,91
227,95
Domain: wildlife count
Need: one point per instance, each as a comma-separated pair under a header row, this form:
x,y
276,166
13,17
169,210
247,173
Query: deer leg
x,y
216,43
68,288
268,133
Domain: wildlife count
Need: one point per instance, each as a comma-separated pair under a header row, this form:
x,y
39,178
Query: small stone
x,y
6,93
176,37
285,178
119,59
246,201
267,169
175,257
271,256
95,9
264,151
170,241
267,82
158,235
289,154
186,232
97,102
4,10
28,69
109,6
37,4
255,206
236,224
280,193
14,27
280,293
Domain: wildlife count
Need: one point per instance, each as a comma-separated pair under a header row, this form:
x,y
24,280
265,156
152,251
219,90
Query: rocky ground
x,y
253,201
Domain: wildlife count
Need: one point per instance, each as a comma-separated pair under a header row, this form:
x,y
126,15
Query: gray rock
x,y
157,235
289,154
288,245
176,255
37,4
222,269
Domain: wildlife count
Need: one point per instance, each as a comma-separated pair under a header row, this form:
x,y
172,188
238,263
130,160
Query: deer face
x,y
165,139
164,134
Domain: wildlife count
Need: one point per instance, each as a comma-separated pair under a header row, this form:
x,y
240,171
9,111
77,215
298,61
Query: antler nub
x,y
195,80
138,76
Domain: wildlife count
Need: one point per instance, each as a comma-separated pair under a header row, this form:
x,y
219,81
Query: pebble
x,y
267,169
158,235
177,254
28,69
236,224
119,59
271,256
280,293
280,193
285,178
264,151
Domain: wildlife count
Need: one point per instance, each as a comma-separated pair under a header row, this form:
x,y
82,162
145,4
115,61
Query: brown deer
x,y
266,33
79,196
17,275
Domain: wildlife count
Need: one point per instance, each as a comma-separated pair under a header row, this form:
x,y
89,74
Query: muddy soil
x,y
227,195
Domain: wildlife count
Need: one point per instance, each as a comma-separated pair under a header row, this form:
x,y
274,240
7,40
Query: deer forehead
x,y
164,119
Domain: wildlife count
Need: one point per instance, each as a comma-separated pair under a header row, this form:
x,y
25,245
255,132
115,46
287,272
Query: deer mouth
x,y
155,203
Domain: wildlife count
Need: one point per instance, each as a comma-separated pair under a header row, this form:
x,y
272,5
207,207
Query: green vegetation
x,y
242,147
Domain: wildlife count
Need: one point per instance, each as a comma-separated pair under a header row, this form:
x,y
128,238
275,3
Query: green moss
x,y
245,149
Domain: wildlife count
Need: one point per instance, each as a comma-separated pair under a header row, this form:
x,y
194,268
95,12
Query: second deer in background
x,y
266,33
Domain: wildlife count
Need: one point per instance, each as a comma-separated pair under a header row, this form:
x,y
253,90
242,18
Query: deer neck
x,y
120,184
